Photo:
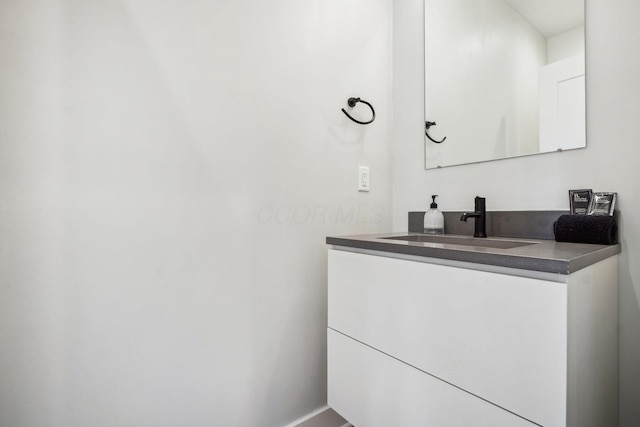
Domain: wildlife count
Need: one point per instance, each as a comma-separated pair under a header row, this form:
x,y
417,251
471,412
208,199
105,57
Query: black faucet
x,y
480,215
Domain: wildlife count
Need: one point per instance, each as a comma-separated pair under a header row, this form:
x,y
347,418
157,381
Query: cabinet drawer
x,y
371,389
500,337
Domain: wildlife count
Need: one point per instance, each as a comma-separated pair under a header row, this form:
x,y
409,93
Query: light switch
x,y
363,178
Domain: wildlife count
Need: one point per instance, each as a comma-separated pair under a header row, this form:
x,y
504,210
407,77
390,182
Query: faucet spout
x,y
480,216
468,215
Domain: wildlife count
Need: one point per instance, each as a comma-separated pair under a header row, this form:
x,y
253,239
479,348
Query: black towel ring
x,y
352,103
427,125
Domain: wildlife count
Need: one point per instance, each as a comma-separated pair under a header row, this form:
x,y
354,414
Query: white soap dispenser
x,y
433,219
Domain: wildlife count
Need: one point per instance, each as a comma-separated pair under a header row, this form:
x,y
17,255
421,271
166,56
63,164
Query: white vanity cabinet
x,y
415,343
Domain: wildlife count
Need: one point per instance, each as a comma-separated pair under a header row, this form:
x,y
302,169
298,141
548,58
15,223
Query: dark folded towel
x,y
598,229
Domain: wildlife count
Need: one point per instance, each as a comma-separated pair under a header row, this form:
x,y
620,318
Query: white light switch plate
x,y
363,178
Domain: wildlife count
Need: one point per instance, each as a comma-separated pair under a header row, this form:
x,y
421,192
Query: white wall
x,y
565,45
168,174
609,163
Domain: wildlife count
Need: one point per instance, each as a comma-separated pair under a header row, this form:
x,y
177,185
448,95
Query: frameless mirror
x,y
503,78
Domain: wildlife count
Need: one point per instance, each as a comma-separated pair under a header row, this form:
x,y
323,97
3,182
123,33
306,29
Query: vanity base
x,y
457,344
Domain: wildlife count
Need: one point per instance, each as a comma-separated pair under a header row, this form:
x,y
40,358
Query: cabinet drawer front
x,y
371,389
500,337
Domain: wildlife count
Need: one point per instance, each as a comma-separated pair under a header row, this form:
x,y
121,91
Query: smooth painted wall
x,y
609,163
168,174
565,45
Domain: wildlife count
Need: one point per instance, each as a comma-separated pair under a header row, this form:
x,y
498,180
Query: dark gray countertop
x,y
544,255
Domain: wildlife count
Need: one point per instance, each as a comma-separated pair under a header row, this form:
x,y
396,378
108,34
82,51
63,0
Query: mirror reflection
x,y
503,78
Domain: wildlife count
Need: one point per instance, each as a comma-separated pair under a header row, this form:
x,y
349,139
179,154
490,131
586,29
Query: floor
x,y
328,418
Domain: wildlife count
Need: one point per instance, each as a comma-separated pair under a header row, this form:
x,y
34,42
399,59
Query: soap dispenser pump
x,y
433,218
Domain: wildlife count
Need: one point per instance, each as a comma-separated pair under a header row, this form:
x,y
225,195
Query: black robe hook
x,y
352,103
427,125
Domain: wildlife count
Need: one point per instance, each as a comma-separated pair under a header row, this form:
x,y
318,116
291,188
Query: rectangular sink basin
x,y
463,241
